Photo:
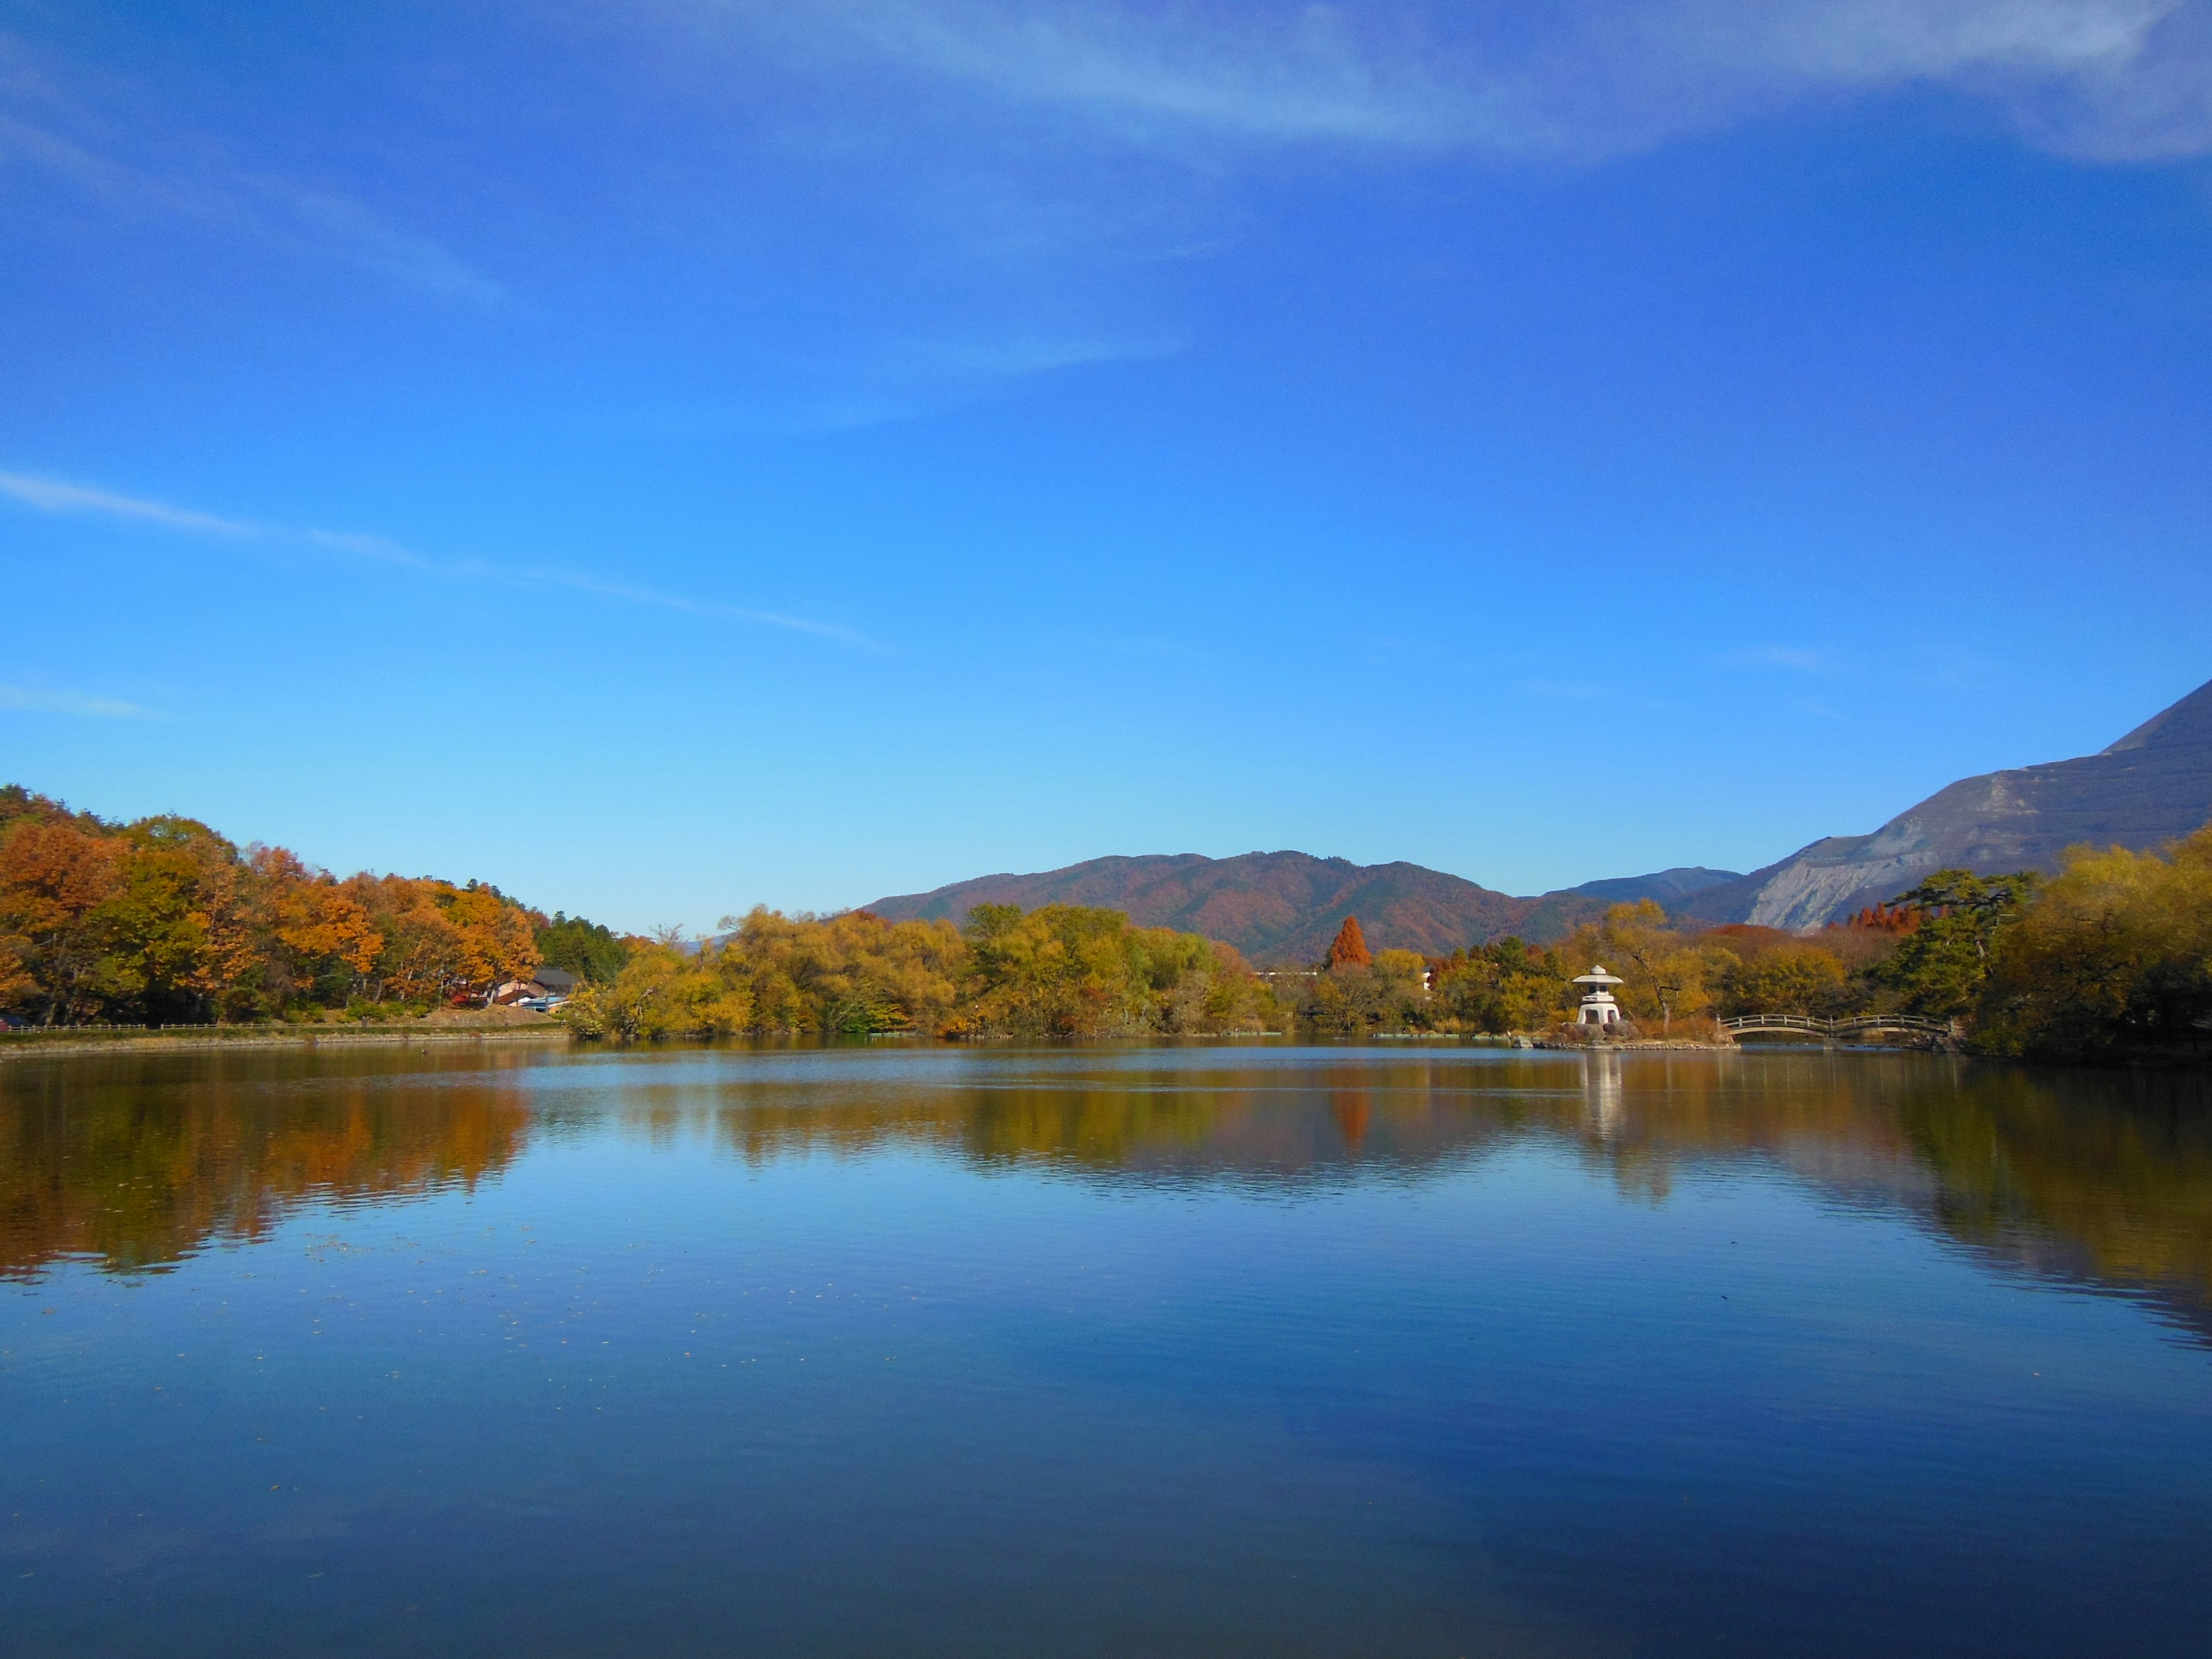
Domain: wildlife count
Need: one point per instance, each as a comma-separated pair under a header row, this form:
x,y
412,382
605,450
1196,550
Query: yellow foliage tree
x,y
2114,955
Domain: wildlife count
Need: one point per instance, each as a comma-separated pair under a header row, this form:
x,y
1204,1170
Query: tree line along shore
x,y
163,920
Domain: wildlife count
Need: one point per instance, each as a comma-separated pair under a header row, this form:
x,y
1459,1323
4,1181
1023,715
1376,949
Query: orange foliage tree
x,y
163,919
1349,948
55,884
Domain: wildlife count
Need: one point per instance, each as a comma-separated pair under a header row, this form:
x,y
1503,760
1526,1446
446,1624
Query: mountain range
x,y
1284,907
2150,787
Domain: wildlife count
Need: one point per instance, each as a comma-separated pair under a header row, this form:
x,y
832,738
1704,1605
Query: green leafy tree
x,y
1939,969
594,953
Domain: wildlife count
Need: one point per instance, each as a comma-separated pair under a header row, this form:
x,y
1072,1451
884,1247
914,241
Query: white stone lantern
x,y
1598,1007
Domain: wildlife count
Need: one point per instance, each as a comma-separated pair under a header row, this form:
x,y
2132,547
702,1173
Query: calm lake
x,y
1214,1350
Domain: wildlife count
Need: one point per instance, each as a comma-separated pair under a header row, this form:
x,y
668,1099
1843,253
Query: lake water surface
x,y
1185,1351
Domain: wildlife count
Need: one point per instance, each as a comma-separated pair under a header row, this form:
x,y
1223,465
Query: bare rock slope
x,y
2151,786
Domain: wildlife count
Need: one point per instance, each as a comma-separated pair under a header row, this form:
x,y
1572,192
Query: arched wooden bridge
x,y
1907,1028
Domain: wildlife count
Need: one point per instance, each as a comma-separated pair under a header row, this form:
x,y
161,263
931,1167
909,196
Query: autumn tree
x,y
1669,975
56,883
179,938
2114,955
320,941
854,973
1795,979
1349,948
1060,970
166,919
660,991
1508,985
495,937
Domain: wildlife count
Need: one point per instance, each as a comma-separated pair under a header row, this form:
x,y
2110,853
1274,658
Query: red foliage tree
x,y
1900,919
1349,947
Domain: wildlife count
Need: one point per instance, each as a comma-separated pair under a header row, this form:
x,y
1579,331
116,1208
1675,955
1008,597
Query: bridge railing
x,y
1850,1025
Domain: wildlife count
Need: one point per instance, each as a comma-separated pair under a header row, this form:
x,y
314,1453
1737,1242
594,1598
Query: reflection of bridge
x,y
1910,1027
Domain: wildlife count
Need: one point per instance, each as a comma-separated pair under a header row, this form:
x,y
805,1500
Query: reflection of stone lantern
x,y
1601,1092
1598,1007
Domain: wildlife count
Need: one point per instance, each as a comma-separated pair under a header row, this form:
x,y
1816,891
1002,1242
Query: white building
x,y
1598,1007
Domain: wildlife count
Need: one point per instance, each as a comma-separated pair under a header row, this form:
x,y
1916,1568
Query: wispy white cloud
x,y
56,497
117,151
903,378
1301,71
387,551
1575,80
53,495
374,240
1798,659
689,607
35,700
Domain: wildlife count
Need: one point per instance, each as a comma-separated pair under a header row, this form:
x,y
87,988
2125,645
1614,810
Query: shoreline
x,y
21,1048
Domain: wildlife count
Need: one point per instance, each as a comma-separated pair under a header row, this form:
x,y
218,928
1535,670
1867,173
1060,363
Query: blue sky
x,y
667,456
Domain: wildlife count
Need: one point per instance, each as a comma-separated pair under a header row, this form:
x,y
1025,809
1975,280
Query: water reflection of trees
x,y
136,1162
2110,1176
1262,1125
2103,1177
2100,1177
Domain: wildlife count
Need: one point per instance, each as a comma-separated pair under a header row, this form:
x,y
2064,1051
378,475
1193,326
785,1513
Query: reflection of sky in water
x,y
1194,1349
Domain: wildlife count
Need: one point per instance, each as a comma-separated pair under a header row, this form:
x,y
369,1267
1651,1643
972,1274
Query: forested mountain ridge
x,y
1285,907
2151,786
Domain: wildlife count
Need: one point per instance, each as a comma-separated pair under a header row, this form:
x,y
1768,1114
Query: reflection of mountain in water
x,y
138,1162
2103,1178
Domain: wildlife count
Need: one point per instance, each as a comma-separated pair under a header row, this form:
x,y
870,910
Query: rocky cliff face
x,y
2151,786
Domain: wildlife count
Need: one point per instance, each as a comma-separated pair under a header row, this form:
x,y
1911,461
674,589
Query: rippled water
x,y
1205,1351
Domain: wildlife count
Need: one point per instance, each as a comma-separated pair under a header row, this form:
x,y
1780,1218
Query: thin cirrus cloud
x,y
53,495
1796,659
123,156
1576,80
899,380
39,701
58,497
